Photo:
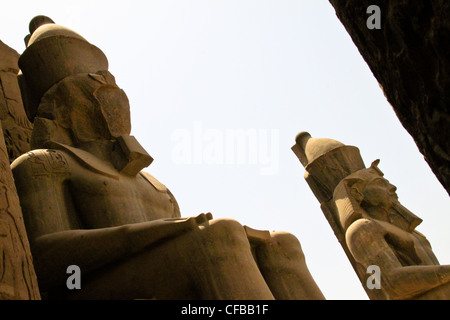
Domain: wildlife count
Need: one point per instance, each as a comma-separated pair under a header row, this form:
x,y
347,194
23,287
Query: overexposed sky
x,y
197,72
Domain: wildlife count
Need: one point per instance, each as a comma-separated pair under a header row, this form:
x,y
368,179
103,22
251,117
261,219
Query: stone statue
x,y
87,203
374,228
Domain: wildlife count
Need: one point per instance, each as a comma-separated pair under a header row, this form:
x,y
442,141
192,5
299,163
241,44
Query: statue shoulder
x,y
162,189
154,182
363,230
42,162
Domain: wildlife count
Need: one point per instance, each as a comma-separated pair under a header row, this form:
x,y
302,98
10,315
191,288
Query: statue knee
x,y
228,231
287,243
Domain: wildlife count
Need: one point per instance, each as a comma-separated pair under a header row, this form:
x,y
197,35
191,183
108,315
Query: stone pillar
x,y
16,126
17,277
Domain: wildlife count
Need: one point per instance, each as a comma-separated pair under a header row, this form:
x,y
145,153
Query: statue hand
x,y
192,222
204,217
142,235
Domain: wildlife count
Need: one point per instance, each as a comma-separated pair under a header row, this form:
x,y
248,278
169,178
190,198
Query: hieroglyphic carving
x,y
16,126
17,277
50,162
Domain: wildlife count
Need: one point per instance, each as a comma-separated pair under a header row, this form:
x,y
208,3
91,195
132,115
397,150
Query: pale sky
x,y
197,71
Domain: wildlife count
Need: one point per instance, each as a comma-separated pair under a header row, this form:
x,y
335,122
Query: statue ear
x,y
347,199
355,193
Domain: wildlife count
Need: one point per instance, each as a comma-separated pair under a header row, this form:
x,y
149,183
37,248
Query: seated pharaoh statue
x,y
87,203
373,227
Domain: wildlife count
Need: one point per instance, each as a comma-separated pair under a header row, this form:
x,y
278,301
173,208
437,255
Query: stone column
x,y
17,277
16,126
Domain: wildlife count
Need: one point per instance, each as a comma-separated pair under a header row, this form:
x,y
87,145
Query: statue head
x,y
73,99
82,108
326,163
371,189
367,194
71,95
54,53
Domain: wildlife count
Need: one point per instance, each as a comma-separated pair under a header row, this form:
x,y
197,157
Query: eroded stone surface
x,y
409,58
16,126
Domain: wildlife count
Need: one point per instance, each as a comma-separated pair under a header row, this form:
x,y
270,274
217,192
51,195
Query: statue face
x,y
115,110
366,194
91,106
380,193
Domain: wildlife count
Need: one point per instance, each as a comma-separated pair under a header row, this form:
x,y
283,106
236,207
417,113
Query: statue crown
x,y
53,53
326,162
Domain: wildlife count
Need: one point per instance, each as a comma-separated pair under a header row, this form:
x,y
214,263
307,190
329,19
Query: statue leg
x,y
282,263
213,262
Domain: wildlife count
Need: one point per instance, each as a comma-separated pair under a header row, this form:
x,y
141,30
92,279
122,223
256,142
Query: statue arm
x,y
366,242
411,281
93,249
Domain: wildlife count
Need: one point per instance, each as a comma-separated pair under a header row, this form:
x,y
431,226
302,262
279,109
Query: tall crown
x,y
53,53
326,162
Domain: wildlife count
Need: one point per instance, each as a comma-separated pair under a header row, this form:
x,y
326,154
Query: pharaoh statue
x,y
86,201
373,227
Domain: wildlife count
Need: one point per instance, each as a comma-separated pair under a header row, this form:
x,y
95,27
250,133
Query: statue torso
x,y
411,248
102,201
93,194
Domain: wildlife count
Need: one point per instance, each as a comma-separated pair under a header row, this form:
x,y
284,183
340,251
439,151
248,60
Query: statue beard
x,y
404,218
397,214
